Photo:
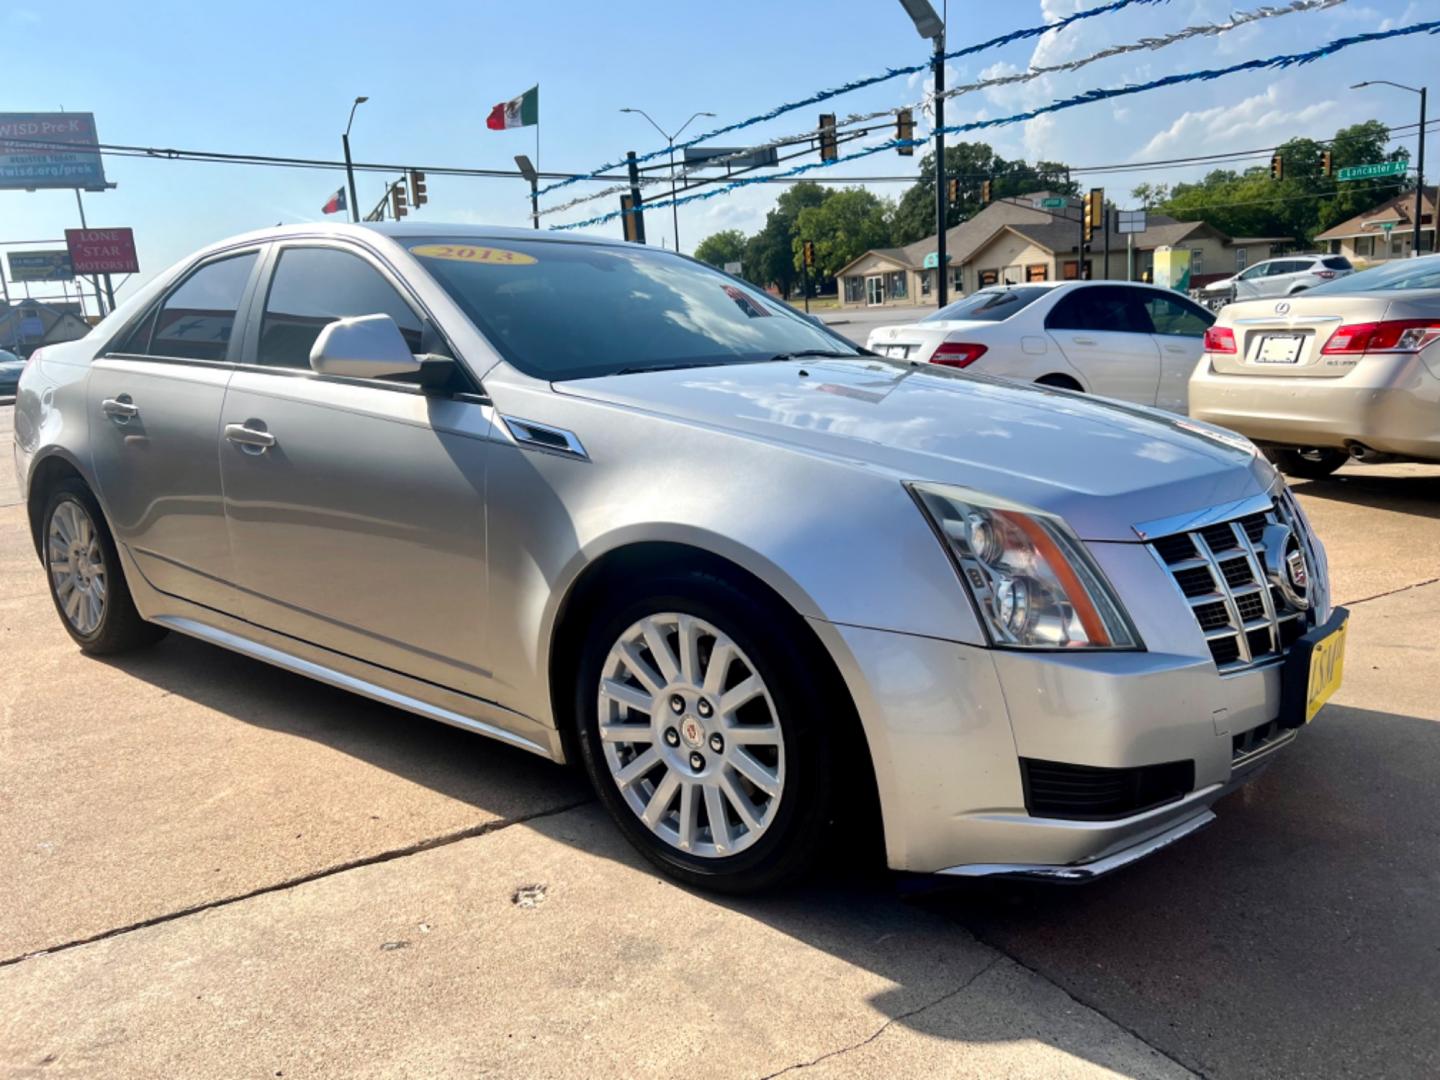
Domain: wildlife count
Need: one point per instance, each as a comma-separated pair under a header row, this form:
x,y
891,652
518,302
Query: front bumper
x,y
1387,403
947,725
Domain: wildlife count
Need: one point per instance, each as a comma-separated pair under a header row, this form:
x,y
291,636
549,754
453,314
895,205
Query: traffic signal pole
x,y
1420,182
942,270
350,175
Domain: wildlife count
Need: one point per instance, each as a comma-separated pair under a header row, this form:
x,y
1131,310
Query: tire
x,y
795,701
1307,464
1063,382
90,593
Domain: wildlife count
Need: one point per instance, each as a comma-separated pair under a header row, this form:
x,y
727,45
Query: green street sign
x,y
1052,204
1369,172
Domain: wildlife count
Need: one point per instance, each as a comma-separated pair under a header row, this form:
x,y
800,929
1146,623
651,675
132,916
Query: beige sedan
x,y
1350,370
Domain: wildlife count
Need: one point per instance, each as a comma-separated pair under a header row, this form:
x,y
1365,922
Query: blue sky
x,y
278,78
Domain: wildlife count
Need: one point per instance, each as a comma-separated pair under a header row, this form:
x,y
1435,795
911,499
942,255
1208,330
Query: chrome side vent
x,y
539,436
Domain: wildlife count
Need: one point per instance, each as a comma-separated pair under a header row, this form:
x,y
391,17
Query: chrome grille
x,y
1219,569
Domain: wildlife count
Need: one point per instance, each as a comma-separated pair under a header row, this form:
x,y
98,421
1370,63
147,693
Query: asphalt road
x,y
210,867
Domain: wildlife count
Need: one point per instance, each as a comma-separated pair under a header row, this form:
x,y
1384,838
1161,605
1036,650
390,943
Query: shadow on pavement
x,y
1299,935
1415,495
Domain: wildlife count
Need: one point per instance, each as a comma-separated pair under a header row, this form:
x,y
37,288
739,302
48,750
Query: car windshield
x,y
988,305
1421,273
561,310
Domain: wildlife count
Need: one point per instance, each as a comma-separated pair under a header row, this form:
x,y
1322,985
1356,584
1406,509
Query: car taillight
x,y
1220,339
1326,274
957,353
1392,336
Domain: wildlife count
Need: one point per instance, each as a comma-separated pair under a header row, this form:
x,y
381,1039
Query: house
x,y
1015,240
28,324
1384,232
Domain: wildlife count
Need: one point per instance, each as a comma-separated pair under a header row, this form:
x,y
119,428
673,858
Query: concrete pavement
x,y
274,878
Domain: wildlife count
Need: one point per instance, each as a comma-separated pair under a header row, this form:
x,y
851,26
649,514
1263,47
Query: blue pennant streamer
x,y
1086,98
857,84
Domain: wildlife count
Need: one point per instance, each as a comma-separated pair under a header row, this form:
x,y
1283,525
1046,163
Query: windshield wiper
x,y
799,353
670,367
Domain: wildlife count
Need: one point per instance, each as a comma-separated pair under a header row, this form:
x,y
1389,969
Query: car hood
x,y
1103,466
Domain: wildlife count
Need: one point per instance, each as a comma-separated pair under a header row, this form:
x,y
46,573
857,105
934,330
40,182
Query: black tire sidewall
x,y
1293,463
114,629
800,700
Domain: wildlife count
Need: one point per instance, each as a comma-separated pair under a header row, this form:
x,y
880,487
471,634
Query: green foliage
x,y
972,163
720,248
843,227
1303,203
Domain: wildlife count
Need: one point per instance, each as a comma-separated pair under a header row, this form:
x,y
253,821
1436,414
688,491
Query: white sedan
x,y
1137,343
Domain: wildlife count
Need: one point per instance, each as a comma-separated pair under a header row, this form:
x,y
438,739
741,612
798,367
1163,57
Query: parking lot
x,y
211,867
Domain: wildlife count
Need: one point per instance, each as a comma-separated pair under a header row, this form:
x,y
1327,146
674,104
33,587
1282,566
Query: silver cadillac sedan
x,y
609,505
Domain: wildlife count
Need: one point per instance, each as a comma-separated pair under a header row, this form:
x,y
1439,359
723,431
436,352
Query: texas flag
x,y
521,112
335,203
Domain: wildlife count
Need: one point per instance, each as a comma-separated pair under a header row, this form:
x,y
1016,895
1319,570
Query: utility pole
x,y
638,229
527,170
1105,212
932,28
670,142
1419,162
350,168
99,304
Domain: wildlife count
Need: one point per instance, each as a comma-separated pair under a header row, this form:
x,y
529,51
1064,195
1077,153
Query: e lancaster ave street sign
x,y
50,150
1369,172
40,266
1049,204
102,251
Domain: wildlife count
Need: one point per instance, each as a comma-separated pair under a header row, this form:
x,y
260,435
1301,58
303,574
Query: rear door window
x,y
314,286
1101,308
1337,262
196,320
1176,316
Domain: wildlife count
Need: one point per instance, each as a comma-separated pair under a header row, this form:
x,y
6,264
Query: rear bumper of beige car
x,y
1389,404
953,728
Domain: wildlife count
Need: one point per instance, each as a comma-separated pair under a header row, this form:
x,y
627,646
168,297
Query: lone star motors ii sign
x,y
102,251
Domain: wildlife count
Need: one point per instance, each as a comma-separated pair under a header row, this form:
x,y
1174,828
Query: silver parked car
x,y
1349,371
606,504
1284,276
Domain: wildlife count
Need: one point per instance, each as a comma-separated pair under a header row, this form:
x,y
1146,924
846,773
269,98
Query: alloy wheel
x,y
691,736
77,566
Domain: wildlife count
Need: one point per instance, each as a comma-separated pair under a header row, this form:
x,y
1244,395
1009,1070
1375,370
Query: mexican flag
x,y
523,111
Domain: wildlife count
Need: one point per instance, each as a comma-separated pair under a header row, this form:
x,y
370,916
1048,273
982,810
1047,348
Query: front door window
x,y
875,289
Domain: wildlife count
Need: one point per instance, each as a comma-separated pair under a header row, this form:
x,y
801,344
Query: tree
x,y
723,247
846,225
769,255
1150,194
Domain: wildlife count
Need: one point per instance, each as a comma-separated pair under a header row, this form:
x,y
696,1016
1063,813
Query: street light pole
x,y
1419,159
670,142
349,168
932,27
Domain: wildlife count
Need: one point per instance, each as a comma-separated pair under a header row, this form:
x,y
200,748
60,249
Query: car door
x,y
1180,327
1104,332
1251,283
154,400
356,506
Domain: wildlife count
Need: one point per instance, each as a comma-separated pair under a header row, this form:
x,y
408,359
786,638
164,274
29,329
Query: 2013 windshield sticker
x,y
467,253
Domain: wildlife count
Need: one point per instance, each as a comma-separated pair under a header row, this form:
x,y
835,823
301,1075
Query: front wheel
x,y
702,726
1307,464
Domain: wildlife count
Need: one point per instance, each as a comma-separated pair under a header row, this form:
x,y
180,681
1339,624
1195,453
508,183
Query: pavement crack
x,y
893,1020
1390,592
388,855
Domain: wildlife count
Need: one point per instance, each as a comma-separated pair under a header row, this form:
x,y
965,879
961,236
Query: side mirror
x,y
363,347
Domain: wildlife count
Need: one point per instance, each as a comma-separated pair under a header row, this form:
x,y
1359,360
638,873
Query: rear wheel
x,y
1065,382
703,728
86,581
1307,464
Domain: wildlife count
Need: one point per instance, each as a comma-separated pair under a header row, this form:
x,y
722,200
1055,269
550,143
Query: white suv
x,y
1280,277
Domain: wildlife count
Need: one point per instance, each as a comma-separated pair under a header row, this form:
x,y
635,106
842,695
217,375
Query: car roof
x,y
403,230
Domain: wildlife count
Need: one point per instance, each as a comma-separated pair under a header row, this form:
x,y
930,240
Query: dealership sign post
x,y
50,150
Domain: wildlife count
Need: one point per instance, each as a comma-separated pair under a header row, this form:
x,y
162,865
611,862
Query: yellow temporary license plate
x,y
1327,668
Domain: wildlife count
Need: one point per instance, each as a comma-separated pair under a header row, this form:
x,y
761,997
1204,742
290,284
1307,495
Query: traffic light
x,y
807,253
397,200
952,190
904,130
631,220
828,150
1327,164
418,197
1277,168
1094,212
984,193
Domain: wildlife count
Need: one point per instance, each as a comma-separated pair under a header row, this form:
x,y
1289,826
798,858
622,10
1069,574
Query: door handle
x,y
1083,340
120,409
250,440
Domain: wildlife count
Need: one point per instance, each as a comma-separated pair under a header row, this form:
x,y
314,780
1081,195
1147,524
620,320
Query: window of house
x,y
1197,260
1037,272
1242,256
854,289
1071,270
195,321
1364,245
989,277
896,286
925,282
313,287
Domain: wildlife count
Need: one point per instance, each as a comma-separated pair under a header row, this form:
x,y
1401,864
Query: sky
x,y
278,78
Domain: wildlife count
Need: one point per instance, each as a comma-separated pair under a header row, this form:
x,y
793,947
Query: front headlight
x,y
1034,583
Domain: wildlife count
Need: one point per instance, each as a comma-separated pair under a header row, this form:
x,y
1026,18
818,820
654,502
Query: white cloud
x,y
1232,126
